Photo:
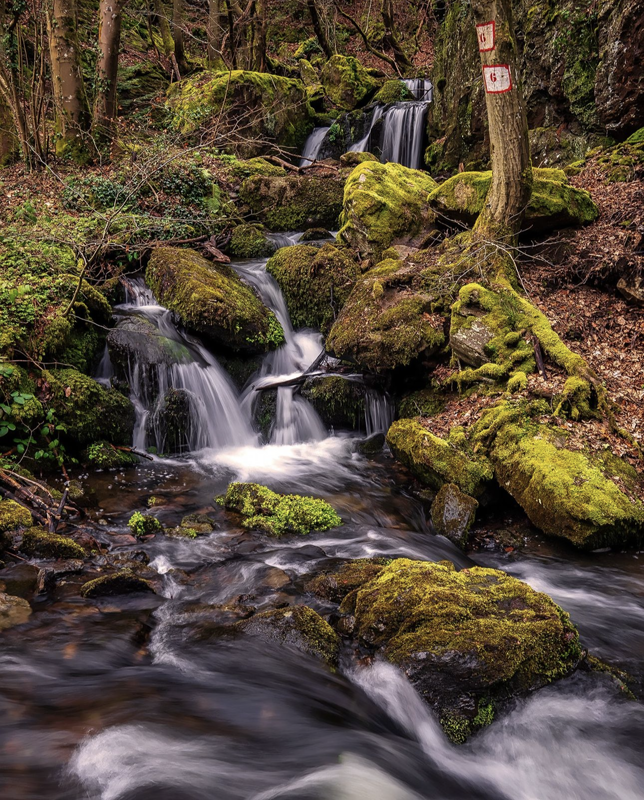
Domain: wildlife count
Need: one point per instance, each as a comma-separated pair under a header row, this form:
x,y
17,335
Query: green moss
x,y
517,382
143,524
385,204
293,202
123,582
347,83
352,159
13,516
336,585
212,300
104,456
256,166
316,282
435,461
37,542
392,92
637,137
278,514
250,241
425,403
339,402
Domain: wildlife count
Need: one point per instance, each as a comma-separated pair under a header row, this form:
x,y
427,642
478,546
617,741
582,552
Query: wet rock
x,y
38,542
19,579
123,582
337,584
468,343
199,523
296,626
135,339
464,639
339,402
453,513
171,423
315,235
13,611
373,445
103,455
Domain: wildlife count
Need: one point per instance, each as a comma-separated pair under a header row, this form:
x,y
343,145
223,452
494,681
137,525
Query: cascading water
x,y
421,88
363,145
313,145
379,412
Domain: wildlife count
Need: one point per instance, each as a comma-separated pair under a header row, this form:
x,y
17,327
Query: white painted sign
x,y
485,33
497,78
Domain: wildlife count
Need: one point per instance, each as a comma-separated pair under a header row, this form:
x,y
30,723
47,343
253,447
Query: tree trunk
x,y
216,22
164,28
177,35
72,112
231,33
317,27
259,36
511,187
109,41
391,40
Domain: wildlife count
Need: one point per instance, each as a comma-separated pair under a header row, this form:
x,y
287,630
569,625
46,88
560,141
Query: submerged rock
x,y
278,514
19,579
13,611
384,205
211,300
293,202
296,626
123,582
453,513
199,523
316,282
464,639
171,422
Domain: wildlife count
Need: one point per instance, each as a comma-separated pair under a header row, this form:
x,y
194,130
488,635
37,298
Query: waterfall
x,y
313,145
403,134
379,412
421,88
105,370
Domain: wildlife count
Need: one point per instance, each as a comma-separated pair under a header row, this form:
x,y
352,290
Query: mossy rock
x,y
637,137
393,92
89,411
565,493
347,83
279,514
336,584
104,456
339,402
271,108
352,159
436,461
316,282
315,235
13,516
553,203
201,524
123,582
293,202
424,403
141,82
387,321
137,340
386,204
453,513
296,626
13,611
463,638
250,241
212,301
256,166
37,542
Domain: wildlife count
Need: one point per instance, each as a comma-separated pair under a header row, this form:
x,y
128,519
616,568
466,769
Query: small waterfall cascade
x,y
313,145
363,145
105,369
379,412
421,88
203,391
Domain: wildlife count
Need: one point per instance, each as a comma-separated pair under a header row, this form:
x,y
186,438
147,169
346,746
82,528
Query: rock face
x,y
384,205
453,513
13,611
387,321
273,109
468,343
436,461
137,338
293,202
316,282
464,639
211,300
339,402
553,204
347,83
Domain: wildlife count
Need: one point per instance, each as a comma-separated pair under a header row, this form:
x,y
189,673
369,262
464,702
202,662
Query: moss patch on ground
x,y
13,516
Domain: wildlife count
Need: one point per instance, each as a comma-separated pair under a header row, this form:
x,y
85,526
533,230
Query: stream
x,y
141,697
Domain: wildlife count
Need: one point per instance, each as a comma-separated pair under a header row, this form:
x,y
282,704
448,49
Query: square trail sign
x,y
497,78
485,33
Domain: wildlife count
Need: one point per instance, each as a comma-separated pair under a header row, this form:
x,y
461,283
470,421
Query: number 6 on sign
x,y
497,78
485,33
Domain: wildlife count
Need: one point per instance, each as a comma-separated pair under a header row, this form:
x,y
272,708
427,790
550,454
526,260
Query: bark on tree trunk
x,y
72,112
164,27
390,38
177,35
231,34
215,31
511,187
318,28
109,41
259,37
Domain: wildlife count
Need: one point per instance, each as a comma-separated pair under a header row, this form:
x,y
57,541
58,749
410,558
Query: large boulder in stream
x,y
347,83
384,205
212,301
293,202
137,340
316,282
466,640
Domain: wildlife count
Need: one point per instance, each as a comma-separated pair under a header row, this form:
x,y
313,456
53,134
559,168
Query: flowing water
x,y
313,145
143,698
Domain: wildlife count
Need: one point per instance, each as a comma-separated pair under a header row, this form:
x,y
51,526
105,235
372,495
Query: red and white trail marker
x,y
486,34
497,78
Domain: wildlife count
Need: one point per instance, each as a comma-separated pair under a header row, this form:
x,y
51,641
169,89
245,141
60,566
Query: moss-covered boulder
x,y
123,582
436,461
103,455
278,514
316,282
387,322
38,542
591,500
453,513
296,626
553,203
252,108
89,411
137,340
464,639
212,301
393,92
352,159
423,403
339,402
347,83
386,204
293,202
13,611
336,584
250,241
13,516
